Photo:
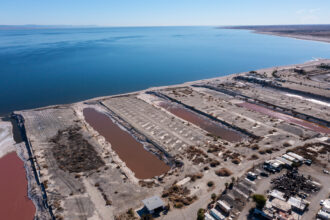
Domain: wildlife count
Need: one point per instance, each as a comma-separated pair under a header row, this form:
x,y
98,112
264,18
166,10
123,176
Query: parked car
x,y
264,174
308,162
269,169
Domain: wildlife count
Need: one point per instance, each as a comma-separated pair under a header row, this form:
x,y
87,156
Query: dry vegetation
x,y
179,196
223,172
73,153
196,155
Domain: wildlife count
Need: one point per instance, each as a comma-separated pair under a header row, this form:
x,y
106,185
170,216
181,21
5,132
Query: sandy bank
x,y
6,138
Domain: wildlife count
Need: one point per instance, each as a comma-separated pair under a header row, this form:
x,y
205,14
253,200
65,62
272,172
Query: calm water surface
x,y
14,201
54,66
212,127
144,164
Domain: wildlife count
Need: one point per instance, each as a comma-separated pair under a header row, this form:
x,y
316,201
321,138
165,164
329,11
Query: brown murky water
x,y
306,124
143,163
204,123
14,201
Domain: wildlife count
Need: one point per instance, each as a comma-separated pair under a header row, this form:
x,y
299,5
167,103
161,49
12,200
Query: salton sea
x,y
40,67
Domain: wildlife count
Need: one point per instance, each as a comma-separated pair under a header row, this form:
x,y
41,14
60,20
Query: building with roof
x,y
276,194
207,216
298,157
217,215
297,204
326,205
292,159
275,164
224,206
285,161
153,204
280,205
323,215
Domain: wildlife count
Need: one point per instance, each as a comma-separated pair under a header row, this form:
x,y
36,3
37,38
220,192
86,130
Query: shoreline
x,y
296,36
316,61
319,33
7,143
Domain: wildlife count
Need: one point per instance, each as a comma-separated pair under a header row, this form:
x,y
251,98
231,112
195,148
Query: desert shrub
x,y
210,183
255,147
269,151
178,205
146,217
262,151
214,163
286,144
254,157
195,176
236,161
213,196
223,172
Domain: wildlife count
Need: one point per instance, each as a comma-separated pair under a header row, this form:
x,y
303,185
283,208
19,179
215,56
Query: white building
x,y
217,215
224,206
207,216
153,203
298,157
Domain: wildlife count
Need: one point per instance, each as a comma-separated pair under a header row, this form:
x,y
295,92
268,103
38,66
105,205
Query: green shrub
x,y
260,200
210,183
201,214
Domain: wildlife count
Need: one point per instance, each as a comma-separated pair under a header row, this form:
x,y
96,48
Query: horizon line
x,y
54,26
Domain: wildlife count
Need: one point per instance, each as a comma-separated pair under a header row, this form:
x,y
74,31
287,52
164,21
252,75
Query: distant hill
x,y
319,32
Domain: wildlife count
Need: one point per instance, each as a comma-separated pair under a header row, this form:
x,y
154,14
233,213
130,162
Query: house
x,y
224,206
297,204
274,164
323,215
286,162
217,215
298,157
280,205
153,204
207,216
276,194
326,205
292,159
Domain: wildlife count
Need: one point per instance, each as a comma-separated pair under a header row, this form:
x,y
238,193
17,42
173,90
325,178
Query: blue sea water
x,y
40,67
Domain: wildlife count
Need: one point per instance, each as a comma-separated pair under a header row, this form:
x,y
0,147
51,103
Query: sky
x,y
164,12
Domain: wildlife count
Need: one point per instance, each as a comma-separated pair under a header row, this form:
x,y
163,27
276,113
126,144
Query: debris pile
x,y
292,183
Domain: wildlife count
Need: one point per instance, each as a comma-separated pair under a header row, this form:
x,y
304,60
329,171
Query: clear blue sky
x,y
164,12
